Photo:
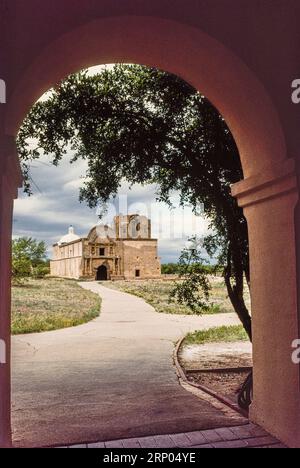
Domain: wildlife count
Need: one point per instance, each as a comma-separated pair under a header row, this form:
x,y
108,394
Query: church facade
x,y
124,251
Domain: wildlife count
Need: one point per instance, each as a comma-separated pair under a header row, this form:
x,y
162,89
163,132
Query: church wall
x,y
67,260
74,249
132,227
140,256
67,268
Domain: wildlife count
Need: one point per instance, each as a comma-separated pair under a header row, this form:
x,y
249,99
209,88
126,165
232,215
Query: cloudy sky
x,y
54,206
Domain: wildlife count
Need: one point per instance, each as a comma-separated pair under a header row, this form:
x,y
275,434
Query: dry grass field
x,y
50,304
157,294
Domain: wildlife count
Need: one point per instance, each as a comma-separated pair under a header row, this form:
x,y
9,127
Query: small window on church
x,y
102,252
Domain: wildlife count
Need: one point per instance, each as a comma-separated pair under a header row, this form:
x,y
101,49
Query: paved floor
x,y
112,378
246,436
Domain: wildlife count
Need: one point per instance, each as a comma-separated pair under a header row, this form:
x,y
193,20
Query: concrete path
x,y
112,378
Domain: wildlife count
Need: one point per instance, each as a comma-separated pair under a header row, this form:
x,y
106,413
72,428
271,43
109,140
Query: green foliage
x,y
195,279
136,123
40,271
174,269
148,126
21,268
28,259
217,335
169,269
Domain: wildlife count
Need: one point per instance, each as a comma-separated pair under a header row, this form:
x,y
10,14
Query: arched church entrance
x,y
102,273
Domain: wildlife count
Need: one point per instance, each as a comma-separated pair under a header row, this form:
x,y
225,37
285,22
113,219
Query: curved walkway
x,y
109,379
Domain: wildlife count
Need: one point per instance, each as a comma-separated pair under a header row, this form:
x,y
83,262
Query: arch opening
x,y
102,273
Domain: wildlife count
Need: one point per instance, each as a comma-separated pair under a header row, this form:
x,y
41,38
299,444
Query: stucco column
x,y
269,202
10,179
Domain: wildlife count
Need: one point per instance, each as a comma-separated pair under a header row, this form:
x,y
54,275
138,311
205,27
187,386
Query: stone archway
x,y
268,194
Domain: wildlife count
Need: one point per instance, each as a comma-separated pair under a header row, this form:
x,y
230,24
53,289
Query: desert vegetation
x,y
51,303
158,294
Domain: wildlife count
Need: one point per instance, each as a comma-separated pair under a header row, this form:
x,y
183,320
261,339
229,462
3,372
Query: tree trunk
x,y
236,291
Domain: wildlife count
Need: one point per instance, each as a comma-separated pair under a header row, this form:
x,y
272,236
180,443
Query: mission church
x,y
124,251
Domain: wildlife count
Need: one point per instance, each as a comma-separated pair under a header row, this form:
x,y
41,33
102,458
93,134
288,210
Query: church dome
x,y
70,237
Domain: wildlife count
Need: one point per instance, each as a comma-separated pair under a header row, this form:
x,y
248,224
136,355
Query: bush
x,y
169,269
21,269
40,271
174,269
29,259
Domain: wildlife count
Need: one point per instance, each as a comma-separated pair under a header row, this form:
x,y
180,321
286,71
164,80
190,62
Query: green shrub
x,y
40,271
217,335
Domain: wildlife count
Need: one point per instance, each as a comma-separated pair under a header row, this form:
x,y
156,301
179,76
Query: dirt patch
x,y
226,384
217,366
215,355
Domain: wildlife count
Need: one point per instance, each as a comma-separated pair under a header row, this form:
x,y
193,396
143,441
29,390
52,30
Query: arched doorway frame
x,y
268,194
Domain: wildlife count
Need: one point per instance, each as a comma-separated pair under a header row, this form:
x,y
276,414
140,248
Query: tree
x,y
169,268
147,126
21,268
28,258
194,290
